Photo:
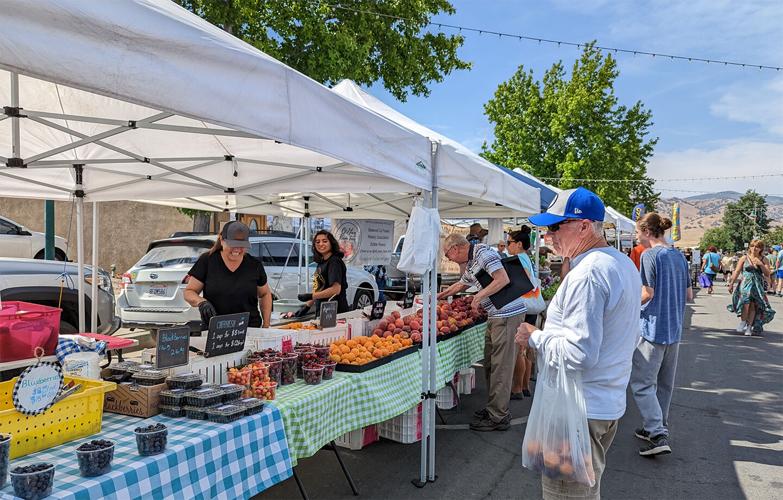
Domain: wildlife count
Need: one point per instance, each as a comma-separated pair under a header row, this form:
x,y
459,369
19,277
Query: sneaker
x,y
743,325
658,445
527,393
488,425
517,396
481,414
748,331
642,434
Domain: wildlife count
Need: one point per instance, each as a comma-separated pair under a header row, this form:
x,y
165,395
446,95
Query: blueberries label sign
x,y
226,334
172,349
37,387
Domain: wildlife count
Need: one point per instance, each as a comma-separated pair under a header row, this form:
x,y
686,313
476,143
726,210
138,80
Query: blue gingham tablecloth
x,y
203,460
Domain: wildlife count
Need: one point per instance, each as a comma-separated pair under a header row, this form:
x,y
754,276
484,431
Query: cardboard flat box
x,y
133,399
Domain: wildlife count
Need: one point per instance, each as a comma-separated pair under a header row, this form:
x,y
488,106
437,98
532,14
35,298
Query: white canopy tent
x,y
139,99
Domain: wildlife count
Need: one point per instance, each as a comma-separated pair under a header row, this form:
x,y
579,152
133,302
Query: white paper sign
x,y
37,387
365,242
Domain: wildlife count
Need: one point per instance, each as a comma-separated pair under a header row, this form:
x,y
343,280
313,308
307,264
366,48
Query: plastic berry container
x,y
288,368
322,352
266,391
172,397
171,411
151,440
329,370
275,366
5,451
195,412
312,374
149,377
136,367
231,392
305,357
202,398
121,367
33,481
250,405
95,457
224,414
185,381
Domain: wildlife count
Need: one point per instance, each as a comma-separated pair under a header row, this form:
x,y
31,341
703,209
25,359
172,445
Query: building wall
x,y
125,227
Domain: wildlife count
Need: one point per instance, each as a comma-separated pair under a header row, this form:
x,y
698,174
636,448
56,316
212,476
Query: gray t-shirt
x,y
665,270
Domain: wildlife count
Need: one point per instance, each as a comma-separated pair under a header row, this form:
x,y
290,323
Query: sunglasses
x,y
556,227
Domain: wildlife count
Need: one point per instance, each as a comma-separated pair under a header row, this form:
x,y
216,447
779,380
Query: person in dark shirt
x,y
330,277
227,280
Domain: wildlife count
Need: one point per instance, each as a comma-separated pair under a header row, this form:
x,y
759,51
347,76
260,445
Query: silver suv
x,y
41,282
153,289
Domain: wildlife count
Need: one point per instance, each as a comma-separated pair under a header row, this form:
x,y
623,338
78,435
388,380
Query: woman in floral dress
x,y
749,299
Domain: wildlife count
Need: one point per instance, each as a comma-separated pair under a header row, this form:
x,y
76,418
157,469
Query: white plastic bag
x,y
557,440
422,241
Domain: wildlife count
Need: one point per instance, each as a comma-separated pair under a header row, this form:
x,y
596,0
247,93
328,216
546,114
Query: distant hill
x,y
705,211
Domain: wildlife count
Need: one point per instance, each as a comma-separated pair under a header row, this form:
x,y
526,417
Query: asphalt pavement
x,y
726,425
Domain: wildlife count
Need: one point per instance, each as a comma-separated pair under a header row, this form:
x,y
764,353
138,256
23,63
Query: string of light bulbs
x,y
559,43
682,179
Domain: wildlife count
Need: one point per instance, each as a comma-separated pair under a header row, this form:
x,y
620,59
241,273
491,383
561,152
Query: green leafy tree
x,y
746,219
718,236
574,128
774,237
364,40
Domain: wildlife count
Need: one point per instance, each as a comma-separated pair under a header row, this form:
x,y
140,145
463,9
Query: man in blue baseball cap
x,y
593,320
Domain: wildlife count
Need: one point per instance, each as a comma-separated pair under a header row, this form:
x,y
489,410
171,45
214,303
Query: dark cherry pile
x,y
95,457
33,481
305,357
329,370
152,439
313,372
288,369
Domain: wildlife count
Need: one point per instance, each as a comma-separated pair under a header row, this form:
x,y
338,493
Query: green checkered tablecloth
x,y
314,415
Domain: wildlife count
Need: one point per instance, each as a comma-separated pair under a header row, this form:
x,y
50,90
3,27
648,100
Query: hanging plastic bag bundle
x,y
422,239
557,440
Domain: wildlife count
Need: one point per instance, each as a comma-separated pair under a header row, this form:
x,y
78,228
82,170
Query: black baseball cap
x,y
235,234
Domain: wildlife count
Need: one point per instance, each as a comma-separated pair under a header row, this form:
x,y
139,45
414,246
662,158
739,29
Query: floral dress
x,y
751,289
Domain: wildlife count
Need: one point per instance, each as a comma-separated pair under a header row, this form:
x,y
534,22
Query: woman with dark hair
x,y
749,301
710,267
519,245
330,277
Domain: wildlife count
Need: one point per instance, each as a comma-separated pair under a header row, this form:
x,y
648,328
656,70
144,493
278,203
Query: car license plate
x,y
157,290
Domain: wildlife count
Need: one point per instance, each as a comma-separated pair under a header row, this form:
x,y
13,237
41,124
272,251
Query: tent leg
x,y
94,284
431,477
80,258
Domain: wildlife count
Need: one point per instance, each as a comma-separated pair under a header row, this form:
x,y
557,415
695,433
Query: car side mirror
x,y
21,231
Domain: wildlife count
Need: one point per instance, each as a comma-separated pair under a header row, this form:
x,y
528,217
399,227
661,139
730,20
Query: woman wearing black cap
x,y
330,277
231,280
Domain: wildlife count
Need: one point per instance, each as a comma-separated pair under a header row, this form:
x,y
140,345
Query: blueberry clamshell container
x,y
204,397
172,411
185,381
231,392
224,414
172,397
251,405
149,377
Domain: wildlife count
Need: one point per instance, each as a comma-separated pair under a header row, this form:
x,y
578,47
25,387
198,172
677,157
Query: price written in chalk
x,y
226,334
172,348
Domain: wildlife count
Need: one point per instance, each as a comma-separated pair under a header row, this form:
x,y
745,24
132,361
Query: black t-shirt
x,y
331,271
231,292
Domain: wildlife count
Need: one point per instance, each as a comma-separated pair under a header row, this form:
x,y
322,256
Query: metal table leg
x,y
333,446
300,485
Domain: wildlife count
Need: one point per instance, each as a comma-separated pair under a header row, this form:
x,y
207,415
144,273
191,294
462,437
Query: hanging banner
x,y
365,242
676,222
638,212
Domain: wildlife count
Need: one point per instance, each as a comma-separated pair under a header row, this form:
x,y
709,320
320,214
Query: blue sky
x,y
710,120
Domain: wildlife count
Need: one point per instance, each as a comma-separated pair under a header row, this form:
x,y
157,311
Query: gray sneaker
x,y
488,425
659,445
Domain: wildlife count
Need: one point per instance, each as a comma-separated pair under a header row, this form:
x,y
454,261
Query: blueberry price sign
x,y
172,349
328,314
226,334
378,309
407,302
37,387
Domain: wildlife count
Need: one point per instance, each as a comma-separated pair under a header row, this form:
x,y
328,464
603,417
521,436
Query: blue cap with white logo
x,y
579,203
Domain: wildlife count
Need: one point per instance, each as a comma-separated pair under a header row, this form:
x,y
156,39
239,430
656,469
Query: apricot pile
x,y
362,350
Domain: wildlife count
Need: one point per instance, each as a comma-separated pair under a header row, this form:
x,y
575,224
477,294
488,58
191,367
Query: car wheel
x,y
363,298
60,255
67,328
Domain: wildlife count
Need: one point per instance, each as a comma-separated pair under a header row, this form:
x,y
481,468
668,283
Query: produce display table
x,y
314,415
202,460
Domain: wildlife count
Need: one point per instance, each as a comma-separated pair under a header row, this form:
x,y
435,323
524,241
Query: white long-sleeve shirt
x,y
594,319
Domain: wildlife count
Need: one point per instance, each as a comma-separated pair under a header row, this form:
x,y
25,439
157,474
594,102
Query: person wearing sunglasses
x,y
593,321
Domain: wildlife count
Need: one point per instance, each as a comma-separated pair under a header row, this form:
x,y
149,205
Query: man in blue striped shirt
x,y
499,347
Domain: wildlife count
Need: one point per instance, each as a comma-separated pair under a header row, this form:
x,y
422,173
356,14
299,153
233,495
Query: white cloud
x,y
736,158
762,105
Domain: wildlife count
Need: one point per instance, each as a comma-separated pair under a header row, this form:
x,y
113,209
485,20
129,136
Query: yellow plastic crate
x,y
77,416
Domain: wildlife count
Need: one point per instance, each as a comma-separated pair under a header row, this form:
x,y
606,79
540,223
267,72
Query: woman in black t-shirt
x,y
231,280
329,279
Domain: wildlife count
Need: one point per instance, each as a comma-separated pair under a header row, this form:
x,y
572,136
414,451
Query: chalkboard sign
x,y
378,309
407,302
173,345
226,334
328,314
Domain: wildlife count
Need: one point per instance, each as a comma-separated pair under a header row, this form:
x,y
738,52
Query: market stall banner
x,y
365,242
314,415
203,460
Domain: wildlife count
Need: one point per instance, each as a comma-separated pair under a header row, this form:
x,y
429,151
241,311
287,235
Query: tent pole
x,y
433,332
425,346
306,220
16,141
79,169
94,284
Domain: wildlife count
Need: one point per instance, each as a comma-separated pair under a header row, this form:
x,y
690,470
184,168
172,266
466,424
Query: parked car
x,y
39,281
396,279
153,289
18,241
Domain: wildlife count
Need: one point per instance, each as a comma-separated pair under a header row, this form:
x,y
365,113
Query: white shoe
x,y
743,325
748,331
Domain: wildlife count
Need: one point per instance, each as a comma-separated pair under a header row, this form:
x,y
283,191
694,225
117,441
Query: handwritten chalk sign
x,y
407,302
378,309
226,334
328,314
172,349
37,387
